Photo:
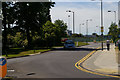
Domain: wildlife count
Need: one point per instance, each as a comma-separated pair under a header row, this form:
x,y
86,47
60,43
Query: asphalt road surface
x,y
59,63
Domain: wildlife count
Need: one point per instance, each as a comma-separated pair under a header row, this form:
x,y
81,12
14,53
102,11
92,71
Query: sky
x,y
85,11
84,0
60,0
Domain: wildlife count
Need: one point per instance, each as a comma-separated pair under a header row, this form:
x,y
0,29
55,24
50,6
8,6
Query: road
x,y
58,63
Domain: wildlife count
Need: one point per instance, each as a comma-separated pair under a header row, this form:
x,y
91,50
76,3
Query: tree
x,y
113,31
119,28
62,27
27,17
53,32
32,16
6,17
95,34
50,33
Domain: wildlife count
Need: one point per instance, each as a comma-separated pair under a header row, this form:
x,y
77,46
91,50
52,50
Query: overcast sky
x,y
84,0
84,11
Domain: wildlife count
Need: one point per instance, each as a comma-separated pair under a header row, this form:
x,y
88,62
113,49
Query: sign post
x,y
102,29
102,35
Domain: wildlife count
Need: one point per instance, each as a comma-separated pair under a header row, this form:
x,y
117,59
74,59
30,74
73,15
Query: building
x,y
119,13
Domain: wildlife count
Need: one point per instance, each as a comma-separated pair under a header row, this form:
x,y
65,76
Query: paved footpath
x,y
105,62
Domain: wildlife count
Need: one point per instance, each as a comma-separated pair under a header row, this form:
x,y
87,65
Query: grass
x,y
81,44
101,41
56,46
16,52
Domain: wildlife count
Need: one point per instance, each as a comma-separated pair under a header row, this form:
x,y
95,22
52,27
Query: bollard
x,y
3,67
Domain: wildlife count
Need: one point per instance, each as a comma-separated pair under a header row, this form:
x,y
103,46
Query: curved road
x,y
54,64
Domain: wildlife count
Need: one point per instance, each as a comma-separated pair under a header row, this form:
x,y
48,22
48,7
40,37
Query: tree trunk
x,y
5,30
29,39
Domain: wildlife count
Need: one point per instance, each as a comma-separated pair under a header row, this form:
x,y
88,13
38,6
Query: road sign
x,y
3,67
102,29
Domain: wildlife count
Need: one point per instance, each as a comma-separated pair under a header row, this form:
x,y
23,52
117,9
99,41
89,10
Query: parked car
x,y
69,44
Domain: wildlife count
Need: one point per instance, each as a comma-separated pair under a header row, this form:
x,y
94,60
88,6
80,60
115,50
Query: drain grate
x,y
31,73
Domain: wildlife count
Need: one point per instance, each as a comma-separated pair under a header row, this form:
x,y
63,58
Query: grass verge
x,y
20,52
17,52
80,44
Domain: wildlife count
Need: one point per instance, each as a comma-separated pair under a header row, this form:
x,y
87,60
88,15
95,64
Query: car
x,y
69,44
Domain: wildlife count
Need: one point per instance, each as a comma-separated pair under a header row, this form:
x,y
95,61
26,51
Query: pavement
x,y
105,62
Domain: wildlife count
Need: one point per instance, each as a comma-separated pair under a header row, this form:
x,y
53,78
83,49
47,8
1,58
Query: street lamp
x,y
87,28
73,18
80,27
68,22
115,14
98,29
101,22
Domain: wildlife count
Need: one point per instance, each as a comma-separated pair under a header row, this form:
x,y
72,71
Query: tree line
x,y
28,24
114,31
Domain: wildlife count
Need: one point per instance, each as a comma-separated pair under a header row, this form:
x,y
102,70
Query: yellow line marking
x,y
77,65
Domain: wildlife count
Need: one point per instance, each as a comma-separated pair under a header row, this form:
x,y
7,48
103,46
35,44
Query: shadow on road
x,y
76,49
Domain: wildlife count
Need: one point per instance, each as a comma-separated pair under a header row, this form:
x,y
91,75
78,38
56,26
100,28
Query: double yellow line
x,y
78,66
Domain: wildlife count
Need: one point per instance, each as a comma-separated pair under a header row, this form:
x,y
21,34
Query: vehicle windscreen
x,y
70,42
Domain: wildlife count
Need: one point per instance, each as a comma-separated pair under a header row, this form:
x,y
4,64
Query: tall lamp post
x,y
87,29
80,27
73,19
68,22
115,14
101,21
98,29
